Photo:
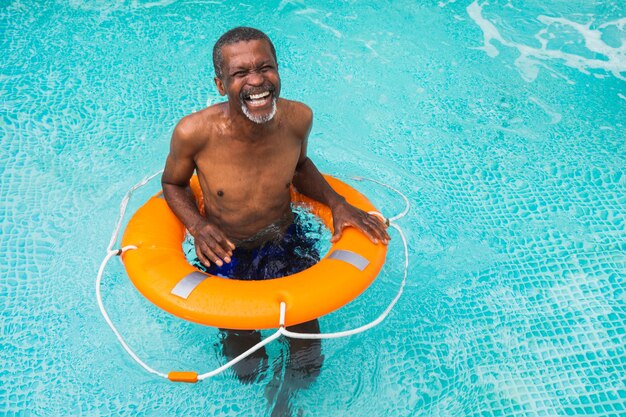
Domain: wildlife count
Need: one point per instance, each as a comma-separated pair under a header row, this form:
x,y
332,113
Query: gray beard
x,y
260,119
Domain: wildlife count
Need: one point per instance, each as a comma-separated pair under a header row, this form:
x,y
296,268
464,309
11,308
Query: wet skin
x,y
243,166
245,169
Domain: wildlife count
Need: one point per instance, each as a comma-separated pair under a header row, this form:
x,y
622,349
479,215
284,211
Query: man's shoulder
x,y
197,126
299,115
298,109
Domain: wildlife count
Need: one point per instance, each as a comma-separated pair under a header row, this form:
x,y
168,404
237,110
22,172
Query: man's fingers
x,y
369,230
211,255
376,215
371,233
375,229
381,231
337,235
221,246
212,246
369,227
377,220
379,227
218,249
203,260
223,241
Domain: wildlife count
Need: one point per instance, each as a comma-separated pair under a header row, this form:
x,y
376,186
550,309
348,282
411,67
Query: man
x,y
247,152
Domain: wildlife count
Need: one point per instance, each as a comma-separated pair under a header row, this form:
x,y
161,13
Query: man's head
x,y
246,71
235,35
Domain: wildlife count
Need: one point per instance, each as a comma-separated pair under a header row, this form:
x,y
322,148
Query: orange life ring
x,y
160,271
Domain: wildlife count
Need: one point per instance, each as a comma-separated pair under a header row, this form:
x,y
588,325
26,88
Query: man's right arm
x,y
210,242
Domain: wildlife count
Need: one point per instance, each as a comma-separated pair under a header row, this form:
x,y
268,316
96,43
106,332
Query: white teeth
x,y
259,96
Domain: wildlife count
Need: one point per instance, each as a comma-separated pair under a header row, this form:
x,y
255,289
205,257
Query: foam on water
x,y
606,57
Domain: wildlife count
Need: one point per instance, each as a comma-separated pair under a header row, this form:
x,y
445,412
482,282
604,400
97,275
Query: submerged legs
x,y
302,365
303,360
236,342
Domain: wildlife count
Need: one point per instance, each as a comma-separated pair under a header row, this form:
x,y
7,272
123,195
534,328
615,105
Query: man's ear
x,y
220,86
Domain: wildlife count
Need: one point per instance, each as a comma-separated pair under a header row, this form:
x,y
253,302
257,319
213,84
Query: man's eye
x,y
239,74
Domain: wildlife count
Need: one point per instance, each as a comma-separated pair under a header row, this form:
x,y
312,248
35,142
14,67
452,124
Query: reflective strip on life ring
x,y
160,271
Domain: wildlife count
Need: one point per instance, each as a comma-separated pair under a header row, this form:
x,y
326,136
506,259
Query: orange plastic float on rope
x,y
160,271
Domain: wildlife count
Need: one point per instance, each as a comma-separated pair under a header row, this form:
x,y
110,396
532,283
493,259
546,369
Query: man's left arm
x,y
310,182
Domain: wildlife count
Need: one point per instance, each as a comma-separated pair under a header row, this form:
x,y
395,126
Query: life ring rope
x,y
188,376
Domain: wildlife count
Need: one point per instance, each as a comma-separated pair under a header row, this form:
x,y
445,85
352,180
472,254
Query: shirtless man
x,y
247,152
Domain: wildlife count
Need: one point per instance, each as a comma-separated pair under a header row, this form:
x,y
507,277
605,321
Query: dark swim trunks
x,y
276,258
291,251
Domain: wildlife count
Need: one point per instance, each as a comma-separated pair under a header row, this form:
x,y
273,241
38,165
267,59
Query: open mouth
x,y
258,100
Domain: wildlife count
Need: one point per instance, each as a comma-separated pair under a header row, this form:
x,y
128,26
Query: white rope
x,y
276,335
406,200
123,205
110,254
385,313
132,354
248,352
281,330
367,326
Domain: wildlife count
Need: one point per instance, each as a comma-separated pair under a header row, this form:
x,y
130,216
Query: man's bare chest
x,y
241,170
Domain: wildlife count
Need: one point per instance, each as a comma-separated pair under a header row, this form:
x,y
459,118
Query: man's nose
x,y
255,78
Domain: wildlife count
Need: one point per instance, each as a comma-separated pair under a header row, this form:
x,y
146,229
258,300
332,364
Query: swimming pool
x,y
502,122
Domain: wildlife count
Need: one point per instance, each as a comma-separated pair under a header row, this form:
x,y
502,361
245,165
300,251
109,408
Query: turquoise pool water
x,y
503,122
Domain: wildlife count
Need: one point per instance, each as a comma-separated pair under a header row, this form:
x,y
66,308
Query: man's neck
x,y
251,130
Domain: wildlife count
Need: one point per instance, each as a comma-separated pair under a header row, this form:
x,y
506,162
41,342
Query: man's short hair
x,y
238,34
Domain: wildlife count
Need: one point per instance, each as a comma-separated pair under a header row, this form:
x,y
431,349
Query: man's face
x,y
250,79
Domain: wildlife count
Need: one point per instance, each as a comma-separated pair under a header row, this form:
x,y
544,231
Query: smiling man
x,y
247,153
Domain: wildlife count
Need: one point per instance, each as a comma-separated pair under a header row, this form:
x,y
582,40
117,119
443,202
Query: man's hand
x,y
345,214
211,243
